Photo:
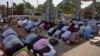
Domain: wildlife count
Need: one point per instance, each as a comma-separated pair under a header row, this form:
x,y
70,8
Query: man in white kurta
x,y
57,33
66,35
64,28
50,30
52,52
81,29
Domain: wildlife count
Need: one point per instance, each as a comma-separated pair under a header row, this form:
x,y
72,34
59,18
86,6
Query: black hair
x,y
53,42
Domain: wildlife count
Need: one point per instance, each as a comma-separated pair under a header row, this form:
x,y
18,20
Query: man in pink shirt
x,y
39,45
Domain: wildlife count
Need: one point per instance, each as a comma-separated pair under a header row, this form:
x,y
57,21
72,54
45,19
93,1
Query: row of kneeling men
x,y
28,25
65,31
73,32
38,44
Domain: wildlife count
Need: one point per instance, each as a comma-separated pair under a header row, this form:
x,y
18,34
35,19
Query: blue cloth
x,y
29,38
61,34
29,26
87,34
24,24
8,32
9,38
12,43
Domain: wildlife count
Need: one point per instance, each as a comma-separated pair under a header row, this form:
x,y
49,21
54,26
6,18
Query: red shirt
x,y
71,28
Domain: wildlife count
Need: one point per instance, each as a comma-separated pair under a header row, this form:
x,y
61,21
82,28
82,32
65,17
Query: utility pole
x,y
3,11
93,9
12,8
7,9
37,2
78,9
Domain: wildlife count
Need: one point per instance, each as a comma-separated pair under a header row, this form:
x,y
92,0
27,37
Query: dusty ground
x,y
85,49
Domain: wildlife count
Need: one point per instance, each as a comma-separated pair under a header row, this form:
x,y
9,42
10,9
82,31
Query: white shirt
x,y
25,21
36,23
50,30
66,34
20,22
80,22
30,22
64,28
52,52
81,29
57,33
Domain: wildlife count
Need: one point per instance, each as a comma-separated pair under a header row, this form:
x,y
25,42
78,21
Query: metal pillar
x,y
93,9
3,11
78,9
7,9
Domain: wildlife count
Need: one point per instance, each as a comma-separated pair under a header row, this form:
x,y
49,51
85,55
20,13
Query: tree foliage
x,y
67,7
19,9
39,8
98,7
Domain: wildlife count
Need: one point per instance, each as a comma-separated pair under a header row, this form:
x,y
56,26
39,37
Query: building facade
x,y
3,11
80,12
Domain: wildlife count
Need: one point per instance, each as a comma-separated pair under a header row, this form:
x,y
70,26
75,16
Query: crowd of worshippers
x,y
76,29
28,25
14,46
70,32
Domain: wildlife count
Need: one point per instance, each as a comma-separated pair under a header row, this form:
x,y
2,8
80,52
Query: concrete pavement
x,y
85,49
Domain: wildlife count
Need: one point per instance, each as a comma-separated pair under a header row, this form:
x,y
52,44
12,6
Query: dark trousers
x,y
50,34
30,45
44,50
13,49
61,34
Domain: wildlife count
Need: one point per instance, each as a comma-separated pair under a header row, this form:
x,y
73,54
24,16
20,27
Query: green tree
x,y
98,7
14,6
27,5
39,8
67,7
19,9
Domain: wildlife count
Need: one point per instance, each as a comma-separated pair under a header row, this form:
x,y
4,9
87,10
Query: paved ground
x,y
85,49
